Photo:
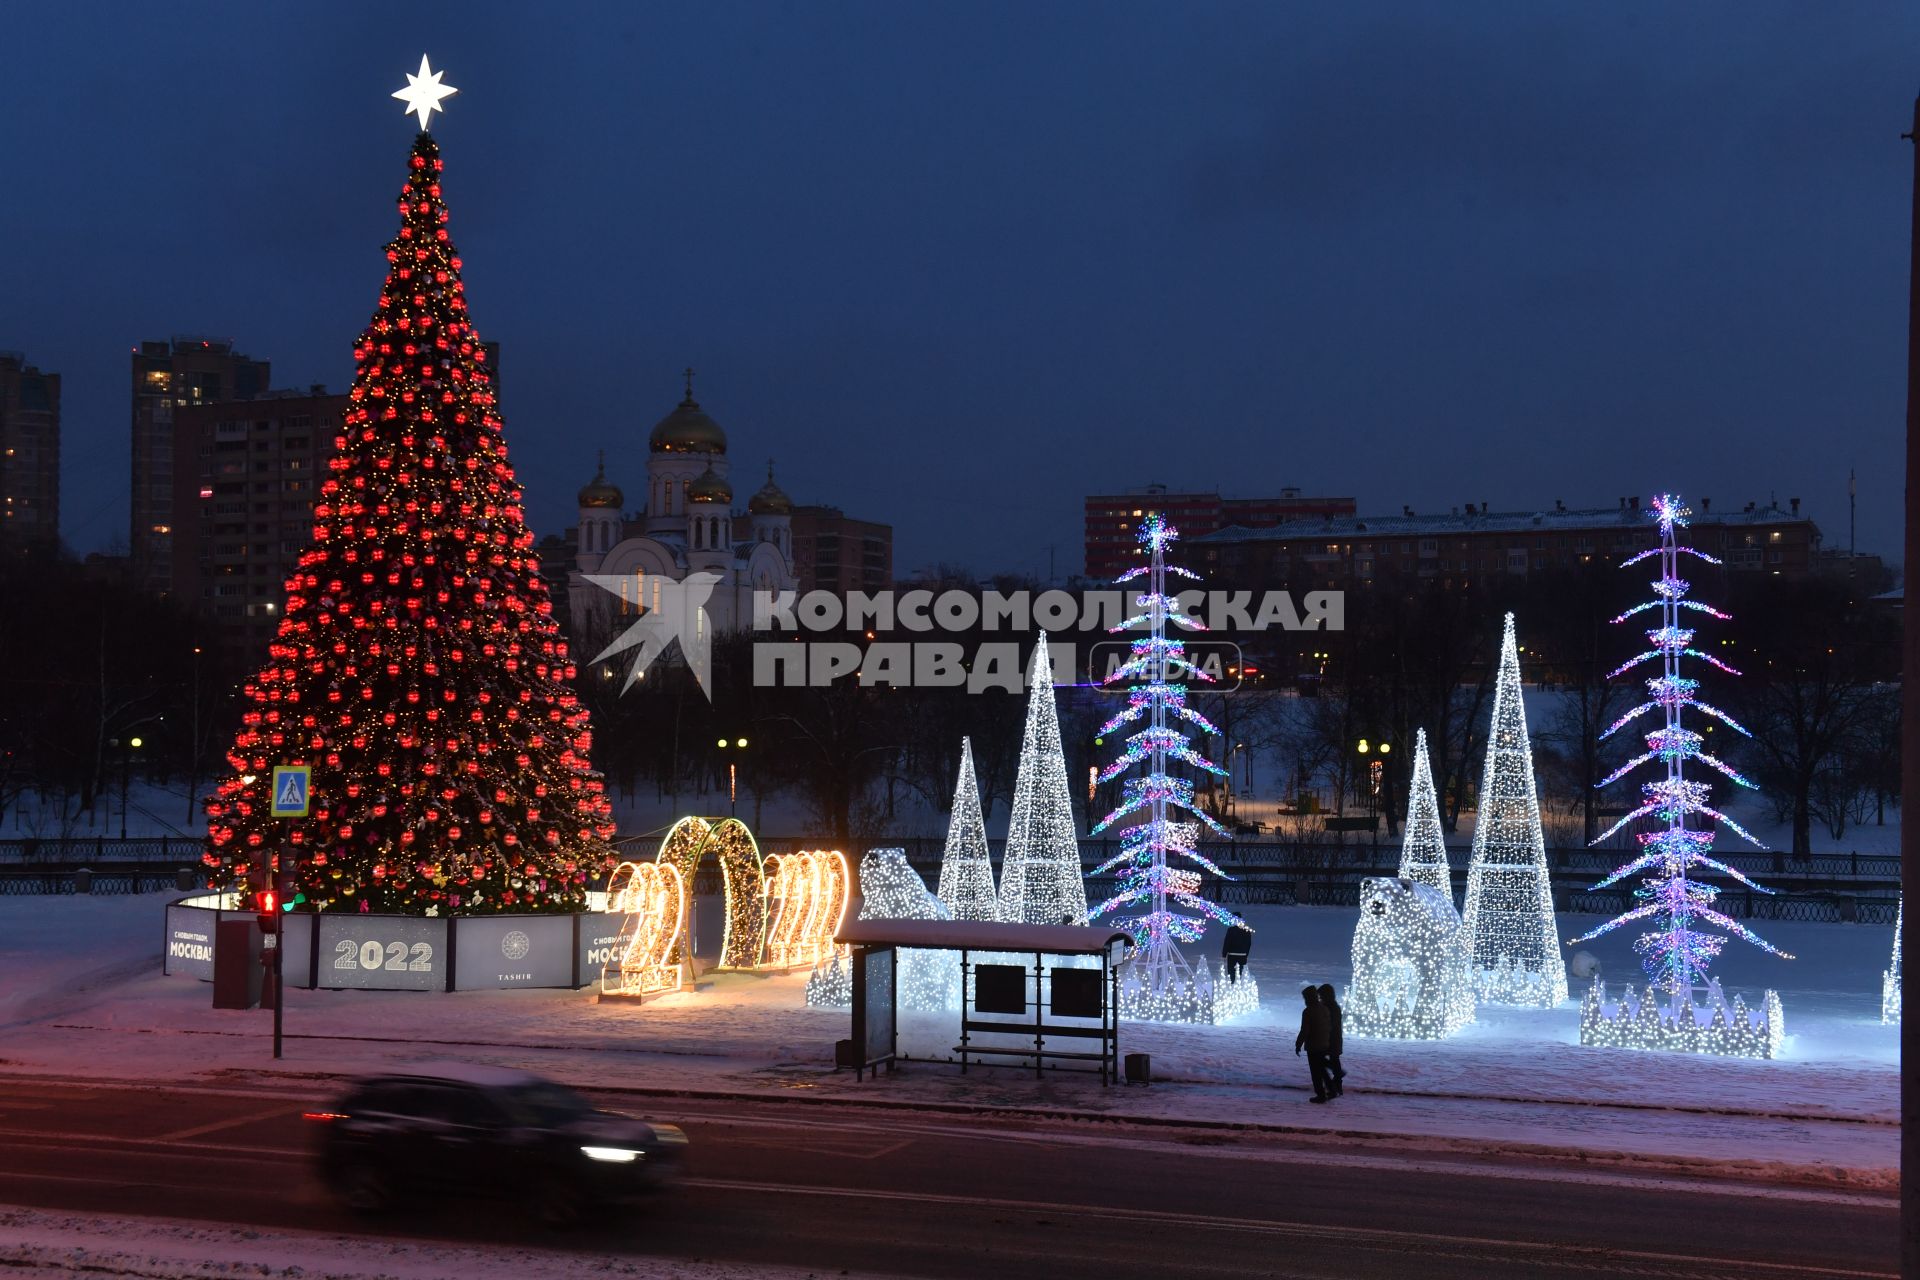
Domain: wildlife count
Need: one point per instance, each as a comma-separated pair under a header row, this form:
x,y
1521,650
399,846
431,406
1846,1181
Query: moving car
x,y
456,1129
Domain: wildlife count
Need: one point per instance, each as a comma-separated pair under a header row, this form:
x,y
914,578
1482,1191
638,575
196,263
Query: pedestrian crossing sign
x,y
290,790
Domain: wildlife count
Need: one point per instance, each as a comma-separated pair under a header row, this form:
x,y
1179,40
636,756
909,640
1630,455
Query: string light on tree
x,y
1158,982
966,868
417,668
1423,849
1040,875
1682,1005
1509,920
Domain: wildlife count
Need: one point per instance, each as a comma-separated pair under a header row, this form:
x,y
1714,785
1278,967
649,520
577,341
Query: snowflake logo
x,y
516,945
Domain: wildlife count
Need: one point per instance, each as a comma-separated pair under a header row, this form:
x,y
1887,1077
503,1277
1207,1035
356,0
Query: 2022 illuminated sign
x,y
395,957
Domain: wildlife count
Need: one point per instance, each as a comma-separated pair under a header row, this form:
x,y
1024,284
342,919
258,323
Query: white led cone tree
x,y
1684,1010
1423,849
1158,983
1513,943
1040,875
966,868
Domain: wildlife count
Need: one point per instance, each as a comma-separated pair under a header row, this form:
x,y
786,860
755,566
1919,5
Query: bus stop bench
x,y
1037,1053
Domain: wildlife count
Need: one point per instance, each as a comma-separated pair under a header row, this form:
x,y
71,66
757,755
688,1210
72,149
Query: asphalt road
x,y
919,1194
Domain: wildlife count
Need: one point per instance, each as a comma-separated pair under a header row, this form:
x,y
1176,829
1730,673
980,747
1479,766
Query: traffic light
x,y
266,906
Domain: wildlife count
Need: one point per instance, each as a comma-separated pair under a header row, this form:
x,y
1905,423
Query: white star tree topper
x,y
424,91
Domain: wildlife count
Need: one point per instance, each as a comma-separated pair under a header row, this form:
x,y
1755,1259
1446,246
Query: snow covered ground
x,y
83,996
39,1245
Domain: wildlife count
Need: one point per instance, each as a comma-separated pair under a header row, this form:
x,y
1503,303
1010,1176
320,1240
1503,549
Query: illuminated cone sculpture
x,y
966,868
418,669
1040,875
1509,920
1423,848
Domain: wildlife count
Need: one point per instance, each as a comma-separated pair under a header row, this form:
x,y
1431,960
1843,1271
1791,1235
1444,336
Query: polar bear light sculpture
x,y
1411,977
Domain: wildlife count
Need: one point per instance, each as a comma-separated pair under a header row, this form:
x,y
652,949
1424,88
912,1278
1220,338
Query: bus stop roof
x,y
980,935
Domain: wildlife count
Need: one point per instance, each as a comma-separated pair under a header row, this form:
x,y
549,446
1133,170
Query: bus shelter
x,y
1013,998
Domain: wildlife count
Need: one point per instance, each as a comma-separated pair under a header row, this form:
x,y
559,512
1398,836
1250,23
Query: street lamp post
x,y
733,773
1374,756
126,777
193,739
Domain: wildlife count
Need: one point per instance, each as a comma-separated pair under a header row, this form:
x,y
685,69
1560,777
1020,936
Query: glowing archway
x,y
743,882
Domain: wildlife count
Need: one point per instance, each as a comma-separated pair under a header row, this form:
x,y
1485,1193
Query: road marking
x,y
1320,1156
1562,1255
828,1142
217,1125
42,1138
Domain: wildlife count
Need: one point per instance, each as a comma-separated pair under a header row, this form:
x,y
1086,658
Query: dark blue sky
x,y
957,265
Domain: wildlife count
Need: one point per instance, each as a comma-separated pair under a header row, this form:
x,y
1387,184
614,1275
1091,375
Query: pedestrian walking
x,y
1336,1074
1316,1034
1235,949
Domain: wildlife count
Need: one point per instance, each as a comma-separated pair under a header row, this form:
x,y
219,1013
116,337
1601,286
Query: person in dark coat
x,y
1316,1034
1335,1072
1234,950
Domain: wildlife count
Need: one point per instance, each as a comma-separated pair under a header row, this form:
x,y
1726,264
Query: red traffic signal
x,y
266,905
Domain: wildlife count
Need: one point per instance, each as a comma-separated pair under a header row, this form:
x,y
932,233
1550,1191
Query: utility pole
x,y
1910,746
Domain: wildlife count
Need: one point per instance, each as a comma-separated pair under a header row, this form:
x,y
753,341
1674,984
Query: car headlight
x,y
612,1155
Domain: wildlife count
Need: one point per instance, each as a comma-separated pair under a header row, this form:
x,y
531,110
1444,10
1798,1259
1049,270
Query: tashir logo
x,y
680,615
516,945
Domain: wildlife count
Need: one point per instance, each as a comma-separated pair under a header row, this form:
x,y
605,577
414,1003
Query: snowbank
x,y
38,1245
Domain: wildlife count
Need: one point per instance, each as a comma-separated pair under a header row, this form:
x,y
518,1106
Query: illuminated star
x,y
424,91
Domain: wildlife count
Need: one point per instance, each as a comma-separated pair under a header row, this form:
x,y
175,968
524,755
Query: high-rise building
x,y
169,376
1476,544
834,552
1113,519
245,476
29,455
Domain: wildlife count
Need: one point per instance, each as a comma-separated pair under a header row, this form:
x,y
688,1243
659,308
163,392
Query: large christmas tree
x,y
418,669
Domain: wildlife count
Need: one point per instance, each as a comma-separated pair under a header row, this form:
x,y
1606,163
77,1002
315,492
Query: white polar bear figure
x,y
1410,964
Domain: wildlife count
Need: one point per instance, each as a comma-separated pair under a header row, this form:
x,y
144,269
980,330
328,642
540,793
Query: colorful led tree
x,y
1040,875
418,669
1423,849
1158,983
1675,952
1509,919
966,868
1890,977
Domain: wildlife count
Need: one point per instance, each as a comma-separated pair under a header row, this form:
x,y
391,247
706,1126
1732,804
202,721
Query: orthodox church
x,y
687,526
